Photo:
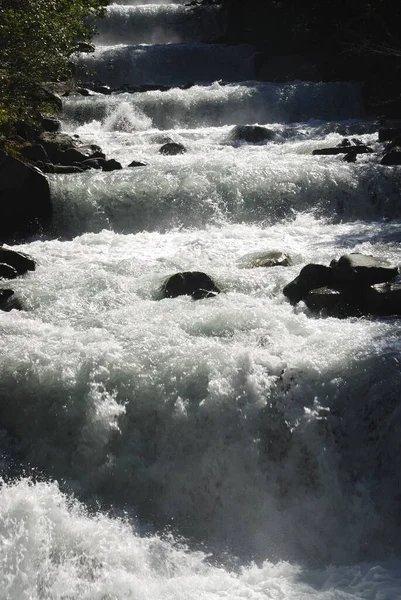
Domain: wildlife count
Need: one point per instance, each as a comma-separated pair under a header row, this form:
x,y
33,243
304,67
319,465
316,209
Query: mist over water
x,y
233,447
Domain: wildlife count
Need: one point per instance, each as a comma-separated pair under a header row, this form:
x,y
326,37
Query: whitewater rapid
x,y
233,447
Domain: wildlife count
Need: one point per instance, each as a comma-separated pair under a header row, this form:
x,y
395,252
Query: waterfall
x,y
231,447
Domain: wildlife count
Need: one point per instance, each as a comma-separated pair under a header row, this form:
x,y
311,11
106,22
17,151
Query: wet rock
x,y
357,149
19,261
348,302
269,258
83,91
69,156
9,301
362,269
311,277
384,299
172,148
91,163
25,206
7,272
251,134
392,158
137,163
190,283
350,156
102,89
111,165
55,142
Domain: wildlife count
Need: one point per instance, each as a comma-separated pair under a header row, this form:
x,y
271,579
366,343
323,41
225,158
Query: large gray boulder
x,y
25,203
363,269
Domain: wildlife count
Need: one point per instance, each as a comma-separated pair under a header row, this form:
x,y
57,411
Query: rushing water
x,y
235,447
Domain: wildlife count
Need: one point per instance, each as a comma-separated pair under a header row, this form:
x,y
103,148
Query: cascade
x,y
234,446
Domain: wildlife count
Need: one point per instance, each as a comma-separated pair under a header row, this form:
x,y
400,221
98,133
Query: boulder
x,y
25,203
69,156
9,301
91,163
51,124
19,261
34,153
7,272
55,142
362,269
111,165
189,283
251,134
311,277
172,148
269,258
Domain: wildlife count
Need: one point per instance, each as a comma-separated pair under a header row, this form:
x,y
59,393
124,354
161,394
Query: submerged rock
x,y
9,301
252,134
172,148
137,163
269,258
190,283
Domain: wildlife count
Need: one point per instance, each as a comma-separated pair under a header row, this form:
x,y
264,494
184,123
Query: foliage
x,y
37,38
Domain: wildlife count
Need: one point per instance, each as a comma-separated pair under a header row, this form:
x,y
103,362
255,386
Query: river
x,y
235,447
